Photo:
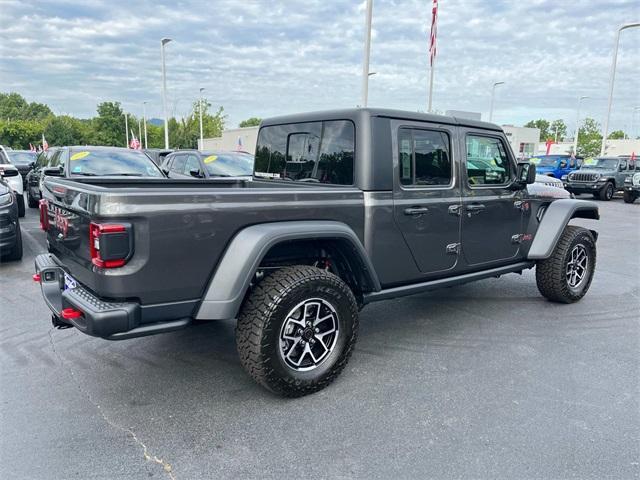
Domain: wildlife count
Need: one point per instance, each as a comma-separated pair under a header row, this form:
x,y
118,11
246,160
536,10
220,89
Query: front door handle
x,y
475,207
416,210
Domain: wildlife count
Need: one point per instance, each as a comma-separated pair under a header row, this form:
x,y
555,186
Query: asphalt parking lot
x,y
486,380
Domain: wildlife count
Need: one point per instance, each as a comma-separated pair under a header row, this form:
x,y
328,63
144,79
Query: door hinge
x,y
453,249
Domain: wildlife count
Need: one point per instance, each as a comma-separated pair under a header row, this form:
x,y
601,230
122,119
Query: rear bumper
x,y
99,317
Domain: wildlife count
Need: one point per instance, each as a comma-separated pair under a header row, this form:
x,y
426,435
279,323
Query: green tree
x,y
66,130
589,138
250,122
543,125
14,107
559,128
109,124
20,133
616,135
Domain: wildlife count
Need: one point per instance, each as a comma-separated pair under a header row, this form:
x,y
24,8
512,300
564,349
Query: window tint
x,y
55,159
318,152
177,165
425,157
192,163
487,161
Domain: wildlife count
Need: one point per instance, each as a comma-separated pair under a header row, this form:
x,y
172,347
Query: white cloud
x,y
274,56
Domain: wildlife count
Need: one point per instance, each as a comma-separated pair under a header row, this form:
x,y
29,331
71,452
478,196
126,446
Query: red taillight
x,y
99,233
36,277
70,313
44,215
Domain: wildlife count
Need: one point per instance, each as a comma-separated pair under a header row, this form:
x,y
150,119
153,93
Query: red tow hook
x,y
70,313
36,277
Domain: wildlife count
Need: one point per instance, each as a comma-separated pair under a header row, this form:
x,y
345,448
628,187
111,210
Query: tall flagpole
x,y
126,127
432,49
367,54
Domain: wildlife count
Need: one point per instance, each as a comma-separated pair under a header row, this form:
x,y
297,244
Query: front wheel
x,y
566,275
297,329
606,193
629,197
16,251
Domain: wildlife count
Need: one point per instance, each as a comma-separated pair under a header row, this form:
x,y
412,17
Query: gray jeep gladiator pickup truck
x,y
345,208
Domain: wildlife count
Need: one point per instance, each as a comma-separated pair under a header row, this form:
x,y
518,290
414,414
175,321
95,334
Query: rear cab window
x,y
312,152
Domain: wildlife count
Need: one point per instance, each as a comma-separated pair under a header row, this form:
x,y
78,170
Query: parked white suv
x,y
13,178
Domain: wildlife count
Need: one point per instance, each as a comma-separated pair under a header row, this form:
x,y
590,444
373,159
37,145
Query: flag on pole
x,y
434,32
32,148
45,145
135,143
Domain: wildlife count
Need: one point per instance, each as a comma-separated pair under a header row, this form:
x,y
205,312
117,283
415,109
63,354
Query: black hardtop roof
x,y
355,113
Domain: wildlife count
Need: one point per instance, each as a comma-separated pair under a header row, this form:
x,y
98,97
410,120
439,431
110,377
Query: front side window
x,y
487,161
192,163
425,158
623,164
314,152
178,164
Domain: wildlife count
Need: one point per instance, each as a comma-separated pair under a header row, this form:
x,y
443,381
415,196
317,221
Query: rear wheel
x,y
21,209
32,202
566,275
629,197
606,193
297,330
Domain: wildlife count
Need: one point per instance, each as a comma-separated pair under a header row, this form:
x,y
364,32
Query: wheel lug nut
x,y
317,330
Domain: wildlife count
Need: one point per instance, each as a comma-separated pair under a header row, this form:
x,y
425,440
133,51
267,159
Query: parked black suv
x,y
36,175
10,233
24,161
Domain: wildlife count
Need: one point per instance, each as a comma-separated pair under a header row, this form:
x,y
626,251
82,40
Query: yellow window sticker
x,y
79,155
210,158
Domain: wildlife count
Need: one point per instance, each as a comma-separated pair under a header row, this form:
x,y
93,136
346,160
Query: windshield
x,y
605,163
544,161
22,158
107,162
229,164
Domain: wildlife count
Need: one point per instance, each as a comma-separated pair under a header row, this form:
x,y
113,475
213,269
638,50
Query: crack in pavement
x,y
166,466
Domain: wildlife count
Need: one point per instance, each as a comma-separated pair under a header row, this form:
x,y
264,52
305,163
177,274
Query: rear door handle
x,y
474,208
416,210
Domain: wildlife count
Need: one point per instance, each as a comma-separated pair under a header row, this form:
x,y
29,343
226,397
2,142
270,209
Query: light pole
x,y
612,76
575,137
126,127
367,53
144,118
493,93
163,42
201,135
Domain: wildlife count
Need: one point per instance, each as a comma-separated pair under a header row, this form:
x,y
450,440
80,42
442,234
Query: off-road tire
x,y
16,251
629,197
551,273
30,201
606,193
266,309
21,209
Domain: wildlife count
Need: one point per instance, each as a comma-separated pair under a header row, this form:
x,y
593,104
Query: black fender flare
x,y
228,286
555,219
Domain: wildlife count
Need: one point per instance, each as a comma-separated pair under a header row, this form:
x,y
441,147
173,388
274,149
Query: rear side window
x,y
425,158
178,164
314,152
487,161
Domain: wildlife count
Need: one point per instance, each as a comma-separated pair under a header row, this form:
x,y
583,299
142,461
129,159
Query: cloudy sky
x,y
267,57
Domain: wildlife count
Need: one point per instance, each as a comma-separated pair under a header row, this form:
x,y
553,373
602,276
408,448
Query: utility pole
x,y
493,93
144,117
126,127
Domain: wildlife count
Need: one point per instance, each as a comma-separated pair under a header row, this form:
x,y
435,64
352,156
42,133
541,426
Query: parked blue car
x,y
556,165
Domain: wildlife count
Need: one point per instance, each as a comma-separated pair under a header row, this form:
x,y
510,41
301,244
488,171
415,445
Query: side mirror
x,y
52,171
525,175
8,173
196,173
